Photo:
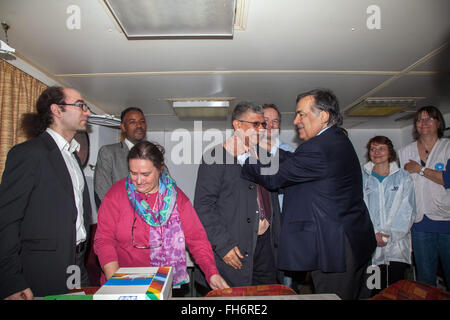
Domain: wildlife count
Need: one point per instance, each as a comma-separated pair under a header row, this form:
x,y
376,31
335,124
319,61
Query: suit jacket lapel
x,y
56,159
124,148
122,161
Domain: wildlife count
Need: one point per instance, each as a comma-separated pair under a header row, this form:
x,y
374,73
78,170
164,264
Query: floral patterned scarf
x,y
164,217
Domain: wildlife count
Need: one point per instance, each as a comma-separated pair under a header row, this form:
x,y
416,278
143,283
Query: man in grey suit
x,y
112,162
242,219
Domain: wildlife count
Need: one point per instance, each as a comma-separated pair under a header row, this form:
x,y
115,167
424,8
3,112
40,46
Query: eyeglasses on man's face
x,y
82,106
274,122
256,124
423,120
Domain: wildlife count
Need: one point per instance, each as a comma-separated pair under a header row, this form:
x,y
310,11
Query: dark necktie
x,y
262,197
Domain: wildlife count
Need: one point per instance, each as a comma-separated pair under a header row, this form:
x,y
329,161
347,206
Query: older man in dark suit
x,y
241,218
326,227
45,210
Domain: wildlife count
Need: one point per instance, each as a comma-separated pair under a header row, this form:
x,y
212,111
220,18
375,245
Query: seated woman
x,y
389,196
146,220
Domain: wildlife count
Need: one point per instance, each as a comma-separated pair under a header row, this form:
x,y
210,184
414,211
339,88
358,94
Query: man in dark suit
x,y
45,210
326,227
242,219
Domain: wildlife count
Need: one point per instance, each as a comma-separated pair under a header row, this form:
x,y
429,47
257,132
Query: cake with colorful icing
x,y
148,283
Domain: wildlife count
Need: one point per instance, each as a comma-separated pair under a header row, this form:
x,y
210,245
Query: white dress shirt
x,y
76,176
128,143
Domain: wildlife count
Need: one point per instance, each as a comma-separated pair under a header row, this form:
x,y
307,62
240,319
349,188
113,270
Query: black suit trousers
x,y
348,285
264,269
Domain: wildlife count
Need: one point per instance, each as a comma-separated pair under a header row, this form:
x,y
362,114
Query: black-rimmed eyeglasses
x,y
138,246
256,124
83,106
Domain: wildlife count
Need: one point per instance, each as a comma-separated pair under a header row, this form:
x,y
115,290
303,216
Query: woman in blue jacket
x,y
389,196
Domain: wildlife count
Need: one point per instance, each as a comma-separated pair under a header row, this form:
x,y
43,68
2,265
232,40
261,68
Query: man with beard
x,y
112,164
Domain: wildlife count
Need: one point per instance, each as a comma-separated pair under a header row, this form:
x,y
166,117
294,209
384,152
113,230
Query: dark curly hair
x,y
33,124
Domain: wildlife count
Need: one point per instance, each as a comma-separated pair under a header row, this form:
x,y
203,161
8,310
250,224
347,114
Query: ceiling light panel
x,y
140,19
201,108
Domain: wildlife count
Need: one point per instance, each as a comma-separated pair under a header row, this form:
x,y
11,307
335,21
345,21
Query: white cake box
x,y
147,283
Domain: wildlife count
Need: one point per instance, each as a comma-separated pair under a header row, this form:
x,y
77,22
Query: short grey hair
x,y
243,107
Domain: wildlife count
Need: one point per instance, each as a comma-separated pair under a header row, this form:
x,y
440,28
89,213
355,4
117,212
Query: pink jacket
x,y
113,236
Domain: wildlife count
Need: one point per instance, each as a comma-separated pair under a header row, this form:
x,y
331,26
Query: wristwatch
x,y
422,171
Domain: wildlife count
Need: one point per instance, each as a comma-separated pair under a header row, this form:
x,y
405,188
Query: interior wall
x,y
99,136
360,137
183,150
186,173
183,166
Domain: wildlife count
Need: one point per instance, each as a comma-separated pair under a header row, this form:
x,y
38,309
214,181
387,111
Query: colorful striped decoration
x,y
126,279
156,286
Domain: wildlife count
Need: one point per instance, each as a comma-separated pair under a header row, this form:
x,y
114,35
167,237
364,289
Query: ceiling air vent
x,y
382,106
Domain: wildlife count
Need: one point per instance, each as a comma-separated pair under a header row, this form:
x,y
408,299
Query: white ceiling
x,y
288,47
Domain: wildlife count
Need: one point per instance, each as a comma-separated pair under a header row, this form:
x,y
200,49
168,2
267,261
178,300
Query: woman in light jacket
x,y
389,196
